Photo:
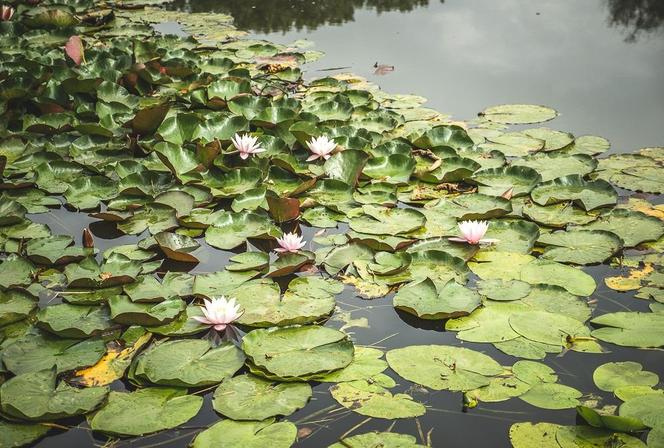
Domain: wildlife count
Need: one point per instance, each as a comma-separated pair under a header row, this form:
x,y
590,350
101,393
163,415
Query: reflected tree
x,y
267,16
637,16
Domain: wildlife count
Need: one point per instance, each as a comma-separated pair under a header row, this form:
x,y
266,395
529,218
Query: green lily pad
x,y
504,290
427,300
15,305
31,353
646,408
632,227
557,215
547,328
247,397
306,300
497,181
74,321
148,289
375,401
145,411
232,229
518,114
589,145
126,312
589,437
612,375
187,363
609,421
298,351
580,246
590,195
378,439
556,164
366,364
229,434
631,329
552,396
442,367
511,266
534,435
36,396
387,221
20,434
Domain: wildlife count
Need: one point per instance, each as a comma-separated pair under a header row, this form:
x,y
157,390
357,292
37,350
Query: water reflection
x,y
267,16
637,17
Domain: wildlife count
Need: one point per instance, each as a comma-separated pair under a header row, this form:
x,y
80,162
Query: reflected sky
x,y
465,55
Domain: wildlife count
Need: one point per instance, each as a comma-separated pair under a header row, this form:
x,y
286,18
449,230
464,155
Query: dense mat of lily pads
x,y
216,137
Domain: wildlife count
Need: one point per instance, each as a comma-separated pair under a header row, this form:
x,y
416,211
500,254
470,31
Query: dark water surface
x,y
599,62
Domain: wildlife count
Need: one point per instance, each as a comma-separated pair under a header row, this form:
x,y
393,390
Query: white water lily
x,y
320,147
472,232
247,145
219,313
290,242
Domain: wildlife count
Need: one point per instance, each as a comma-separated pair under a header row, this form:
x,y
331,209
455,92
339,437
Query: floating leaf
x,y
613,375
247,397
298,351
427,300
375,401
580,246
36,396
229,434
187,363
145,411
631,329
443,367
519,114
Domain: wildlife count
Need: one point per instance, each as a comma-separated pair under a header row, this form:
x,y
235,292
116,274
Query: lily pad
x,y
519,114
590,195
378,439
145,411
631,329
298,351
74,321
36,396
230,434
442,367
496,181
613,375
247,397
632,227
306,300
580,246
427,300
375,401
552,396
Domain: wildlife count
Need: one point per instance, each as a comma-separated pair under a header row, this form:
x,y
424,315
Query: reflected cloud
x,y
267,16
637,17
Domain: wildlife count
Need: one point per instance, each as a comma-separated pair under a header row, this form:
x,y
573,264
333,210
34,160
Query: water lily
x,y
320,147
472,232
290,242
6,13
219,313
247,145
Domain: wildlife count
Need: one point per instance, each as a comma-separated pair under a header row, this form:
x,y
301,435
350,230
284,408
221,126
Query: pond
x,y
597,66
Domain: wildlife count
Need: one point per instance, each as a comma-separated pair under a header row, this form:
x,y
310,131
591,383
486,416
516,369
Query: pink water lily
x,y
472,232
247,145
219,313
320,147
6,13
290,242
